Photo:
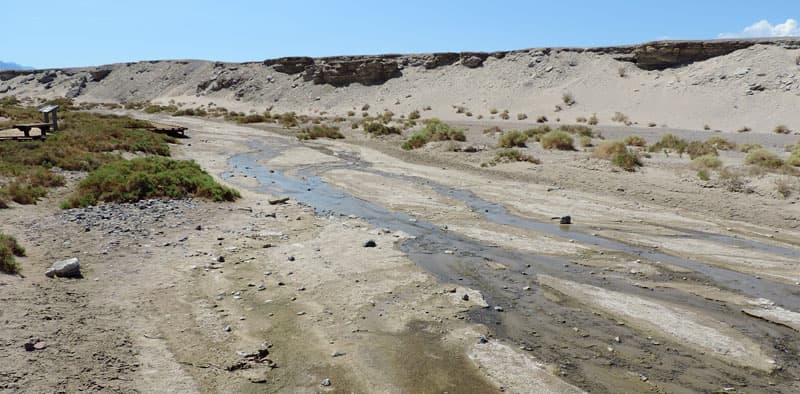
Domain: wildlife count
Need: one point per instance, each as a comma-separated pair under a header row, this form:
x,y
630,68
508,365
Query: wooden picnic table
x,y
26,128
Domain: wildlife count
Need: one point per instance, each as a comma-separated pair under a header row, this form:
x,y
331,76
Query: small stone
x,y
370,244
291,258
300,313
221,259
482,340
465,297
199,227
499,309
337,354
261,287
326,382
227,329
70,268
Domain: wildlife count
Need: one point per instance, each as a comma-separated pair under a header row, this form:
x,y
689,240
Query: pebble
x,y
370,244
337,354
326,382
227,329
499,308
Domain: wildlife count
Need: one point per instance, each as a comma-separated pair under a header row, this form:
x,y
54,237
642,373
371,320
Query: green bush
x,y
747,148
511,155
764,158
794,156
145,178
434,130
557,140
781,129
628,161
253,118
320,131
376,128
635,140
414,115
513,138
576,129
9,248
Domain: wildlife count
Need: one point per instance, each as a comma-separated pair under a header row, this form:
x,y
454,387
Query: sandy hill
x,y
725,84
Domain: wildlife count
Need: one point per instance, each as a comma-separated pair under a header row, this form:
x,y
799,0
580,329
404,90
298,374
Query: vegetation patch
x,y
434,130
145,178
720,143
706,162
696,149
764,158
609,149
627,160
557,139
10,248
513,138
670,143
781,129
510,156
320,131
635,140
378,129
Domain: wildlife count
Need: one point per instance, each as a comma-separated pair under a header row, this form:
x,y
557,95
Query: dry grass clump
x,y
764,158
253,118
794,156
320,131
627,160
585,141
781,129
288,120
493,130
557,139
635,140
619,117
581,119
696,149
733,181
541,119
522,116
493,111
576,129
608,149
513,138
510,156
434,130
504,115
536,133
744,129
706,162
720,143
568,99
592,120
669,143
190,112
414,115
9,248
378,129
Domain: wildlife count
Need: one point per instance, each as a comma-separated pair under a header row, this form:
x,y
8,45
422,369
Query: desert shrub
x,y
703,174
155,108
365,107
747,148
576,129
22,192
733,181
568,99
460,109
434,130
493,111
720,143
557,139
609,149
288,119
468,113
145,178
622,71
190,112
512,139
696,149
253,118
706,162
386,117
620,118
320,131
504,115
669,142
592,120
414,115
493,130
794,156
511,155
351,113
522,116
744,129
10,248
628,161
377,129
652,124
541,119
8,101
585,141
781,129
785,185
635,140
763,158
580,119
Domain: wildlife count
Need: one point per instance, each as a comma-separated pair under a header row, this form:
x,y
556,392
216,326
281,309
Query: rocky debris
x,y
436,60
290,65
370,244
69,268
342,71
99,75
326,382
47,78
34,344
132,220
282,200
76,89
472,61
667,54
216,84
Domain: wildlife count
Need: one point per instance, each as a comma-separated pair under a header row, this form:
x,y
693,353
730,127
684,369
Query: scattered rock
x,y
277,201
227,329
70,268
370,244
326,382
565,220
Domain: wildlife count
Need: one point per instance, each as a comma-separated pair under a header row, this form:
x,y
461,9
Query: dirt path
x,y
253,297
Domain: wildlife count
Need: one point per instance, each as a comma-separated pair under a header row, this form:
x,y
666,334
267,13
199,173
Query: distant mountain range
x,y
13,66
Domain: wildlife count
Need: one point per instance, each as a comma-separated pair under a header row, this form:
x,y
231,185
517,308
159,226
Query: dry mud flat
x,y
469,287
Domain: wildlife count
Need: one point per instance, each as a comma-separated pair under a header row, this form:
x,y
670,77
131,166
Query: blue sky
x,y
49,33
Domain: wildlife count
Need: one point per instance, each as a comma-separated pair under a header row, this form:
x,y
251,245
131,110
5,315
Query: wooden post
x,y
55,120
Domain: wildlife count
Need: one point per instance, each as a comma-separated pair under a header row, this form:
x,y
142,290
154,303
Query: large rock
x,y
99,75
69,268
341,71
290,65
666,54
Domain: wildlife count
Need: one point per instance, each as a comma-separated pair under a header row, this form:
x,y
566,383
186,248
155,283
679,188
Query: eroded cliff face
x,y
660,55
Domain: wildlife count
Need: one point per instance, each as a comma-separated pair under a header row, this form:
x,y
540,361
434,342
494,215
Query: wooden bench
x,y
26,128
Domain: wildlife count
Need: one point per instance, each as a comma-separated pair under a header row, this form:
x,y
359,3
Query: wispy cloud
x,y
765,29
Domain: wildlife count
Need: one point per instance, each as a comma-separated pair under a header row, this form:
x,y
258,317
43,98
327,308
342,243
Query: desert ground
x,y
353,265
